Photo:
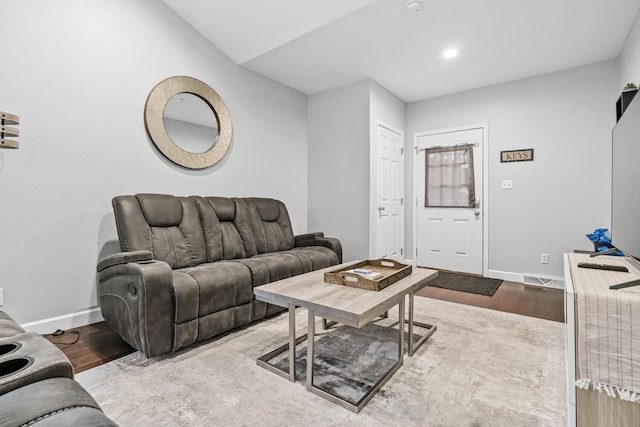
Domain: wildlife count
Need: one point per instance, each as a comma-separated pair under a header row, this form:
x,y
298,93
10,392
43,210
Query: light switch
x,y
507,184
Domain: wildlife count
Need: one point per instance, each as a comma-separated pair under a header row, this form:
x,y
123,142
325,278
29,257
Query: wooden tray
x,y
391,271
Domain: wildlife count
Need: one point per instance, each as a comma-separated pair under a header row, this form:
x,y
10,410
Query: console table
x,y
602,342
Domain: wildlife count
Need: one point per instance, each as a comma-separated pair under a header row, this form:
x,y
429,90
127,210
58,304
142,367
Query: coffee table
x,y
346,305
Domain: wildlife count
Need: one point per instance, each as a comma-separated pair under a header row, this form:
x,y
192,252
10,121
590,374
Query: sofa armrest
x,y
308,236
318,239
123,258
136,300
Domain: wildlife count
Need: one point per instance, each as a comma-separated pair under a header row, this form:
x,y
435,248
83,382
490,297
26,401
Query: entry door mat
x,y
466,283
347,361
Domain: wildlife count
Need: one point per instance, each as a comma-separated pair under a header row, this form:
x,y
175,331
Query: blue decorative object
x,y
601,241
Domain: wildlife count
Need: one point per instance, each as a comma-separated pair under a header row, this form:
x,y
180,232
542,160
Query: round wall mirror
x,y
188,122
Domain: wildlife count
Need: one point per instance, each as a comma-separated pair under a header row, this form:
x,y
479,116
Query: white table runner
x,y
608,328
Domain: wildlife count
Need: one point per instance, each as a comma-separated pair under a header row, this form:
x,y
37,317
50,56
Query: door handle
x,y
477,213
380,208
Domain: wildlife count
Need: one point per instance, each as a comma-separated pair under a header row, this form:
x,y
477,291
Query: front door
x,y
389,190
450,238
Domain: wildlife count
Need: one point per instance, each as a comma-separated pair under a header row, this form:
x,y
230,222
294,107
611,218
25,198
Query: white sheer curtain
x,y
449,177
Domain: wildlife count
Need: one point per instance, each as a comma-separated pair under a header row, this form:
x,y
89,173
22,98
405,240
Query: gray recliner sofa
x,y
189,265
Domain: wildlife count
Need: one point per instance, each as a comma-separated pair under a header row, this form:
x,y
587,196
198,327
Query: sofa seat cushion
x,y
267,268
314,257
211,287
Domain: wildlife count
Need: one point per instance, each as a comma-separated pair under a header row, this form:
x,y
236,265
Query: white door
x,y
389,191
450,238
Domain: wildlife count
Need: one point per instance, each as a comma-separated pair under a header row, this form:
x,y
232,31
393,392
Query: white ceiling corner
x,y
245,29
313,46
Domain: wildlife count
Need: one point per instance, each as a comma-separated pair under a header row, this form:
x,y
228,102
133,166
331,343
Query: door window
x,y
449,181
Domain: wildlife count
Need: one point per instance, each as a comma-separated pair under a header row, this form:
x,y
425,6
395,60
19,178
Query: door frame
x,y
373,191
485,188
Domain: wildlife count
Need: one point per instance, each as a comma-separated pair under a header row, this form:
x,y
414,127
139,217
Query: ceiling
x,y
313,46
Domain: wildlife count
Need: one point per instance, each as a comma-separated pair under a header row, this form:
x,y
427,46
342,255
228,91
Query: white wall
x,y
78,73
566,117
339,166
387,107
630,56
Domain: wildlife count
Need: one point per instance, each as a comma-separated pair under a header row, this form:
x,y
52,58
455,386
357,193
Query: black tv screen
x,y
625,184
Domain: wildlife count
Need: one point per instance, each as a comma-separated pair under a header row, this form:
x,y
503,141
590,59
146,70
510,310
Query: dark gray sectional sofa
x,y
37,386
189,265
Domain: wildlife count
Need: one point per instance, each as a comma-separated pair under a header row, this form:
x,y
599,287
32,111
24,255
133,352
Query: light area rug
x,y
480,368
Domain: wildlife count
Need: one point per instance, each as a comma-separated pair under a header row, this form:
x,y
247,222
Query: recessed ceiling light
x,y
450,53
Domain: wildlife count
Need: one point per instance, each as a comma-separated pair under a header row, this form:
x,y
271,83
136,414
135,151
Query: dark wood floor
x,y
533,301
93,345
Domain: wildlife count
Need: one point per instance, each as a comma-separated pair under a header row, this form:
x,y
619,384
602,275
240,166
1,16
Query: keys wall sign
x,y
516,156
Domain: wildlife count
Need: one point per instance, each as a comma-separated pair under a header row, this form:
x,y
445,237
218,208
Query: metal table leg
x,y
311,333
290,346
292,343
430,329
327,324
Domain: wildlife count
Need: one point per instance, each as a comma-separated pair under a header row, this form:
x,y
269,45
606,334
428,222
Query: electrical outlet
x,y
544,258
507,184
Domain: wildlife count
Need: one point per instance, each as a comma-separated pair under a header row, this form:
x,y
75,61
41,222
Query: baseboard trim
x,y
550,282
64,322
543,281
505,275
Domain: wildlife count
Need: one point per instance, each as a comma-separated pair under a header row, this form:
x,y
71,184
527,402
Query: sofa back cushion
x,y
224,234
269,223
168,226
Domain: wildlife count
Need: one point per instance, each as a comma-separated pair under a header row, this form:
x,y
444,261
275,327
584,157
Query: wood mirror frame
x,y
154,122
